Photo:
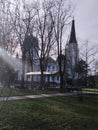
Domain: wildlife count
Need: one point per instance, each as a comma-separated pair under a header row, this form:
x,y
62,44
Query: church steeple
x,y
73,33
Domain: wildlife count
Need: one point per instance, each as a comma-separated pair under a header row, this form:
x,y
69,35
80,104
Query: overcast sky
x,y
86,19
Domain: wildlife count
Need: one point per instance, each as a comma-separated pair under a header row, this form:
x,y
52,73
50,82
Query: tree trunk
x,y
61,82
42,81
23,71
42,75
61,73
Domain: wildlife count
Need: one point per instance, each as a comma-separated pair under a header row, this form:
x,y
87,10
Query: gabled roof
x,y
51,60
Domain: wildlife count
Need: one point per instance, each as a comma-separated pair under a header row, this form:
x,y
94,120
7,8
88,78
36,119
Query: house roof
x,y
38,73
51,60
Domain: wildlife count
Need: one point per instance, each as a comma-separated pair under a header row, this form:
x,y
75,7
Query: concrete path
x,y
85,92
35,96
42,96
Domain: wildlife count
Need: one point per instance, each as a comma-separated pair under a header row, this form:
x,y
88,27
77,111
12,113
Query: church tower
x,y
72,52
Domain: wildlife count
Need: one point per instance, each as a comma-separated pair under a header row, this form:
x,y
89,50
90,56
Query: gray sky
x,y
86,19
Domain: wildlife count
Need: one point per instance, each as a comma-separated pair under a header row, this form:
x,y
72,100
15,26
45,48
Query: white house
x,y
52,67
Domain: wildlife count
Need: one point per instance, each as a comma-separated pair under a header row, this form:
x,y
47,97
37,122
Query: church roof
x,y
73,33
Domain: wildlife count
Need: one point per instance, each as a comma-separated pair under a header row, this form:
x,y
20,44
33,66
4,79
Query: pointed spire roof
x,y
73,33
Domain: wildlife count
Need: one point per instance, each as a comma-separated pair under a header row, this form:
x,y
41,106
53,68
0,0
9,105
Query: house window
x,y
53,67
58,78
52,78
49,67
28,76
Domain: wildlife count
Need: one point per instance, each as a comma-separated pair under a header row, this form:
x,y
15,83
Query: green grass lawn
x,y
55,113
21,92
91,89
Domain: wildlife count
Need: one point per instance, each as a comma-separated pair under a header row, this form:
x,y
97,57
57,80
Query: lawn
x,y
55,113
20,92
90,89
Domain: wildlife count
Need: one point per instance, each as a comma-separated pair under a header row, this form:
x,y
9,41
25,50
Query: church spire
x,y
73,33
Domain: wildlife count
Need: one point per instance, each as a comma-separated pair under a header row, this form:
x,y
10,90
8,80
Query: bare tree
x,y
8,41
22,17
48,21
44,30
88,53
60,13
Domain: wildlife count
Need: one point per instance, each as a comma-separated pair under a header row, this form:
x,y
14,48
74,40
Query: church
x,y
72,53
71,56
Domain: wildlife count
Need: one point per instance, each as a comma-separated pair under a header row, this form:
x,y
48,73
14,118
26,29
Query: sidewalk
x,y
35,96
42,96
